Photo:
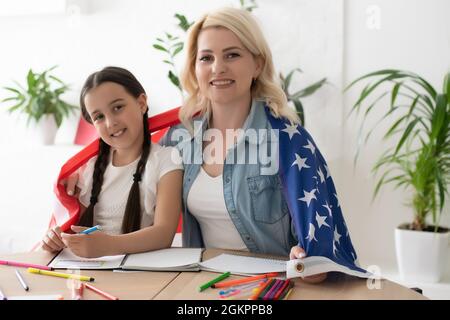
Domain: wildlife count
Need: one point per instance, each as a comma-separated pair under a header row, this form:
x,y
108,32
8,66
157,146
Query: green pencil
x,y
213,281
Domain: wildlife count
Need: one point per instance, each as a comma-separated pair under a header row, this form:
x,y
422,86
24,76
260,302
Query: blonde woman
x,y
233,96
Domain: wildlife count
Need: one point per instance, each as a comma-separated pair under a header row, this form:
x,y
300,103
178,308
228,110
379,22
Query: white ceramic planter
x,y
421,255
45,130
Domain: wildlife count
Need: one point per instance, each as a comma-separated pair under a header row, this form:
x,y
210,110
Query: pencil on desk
x,y
213,281
288,294
280,291
23,265
60,274
21,280
2,295
244,280
273,290
100,292
287,291
256,294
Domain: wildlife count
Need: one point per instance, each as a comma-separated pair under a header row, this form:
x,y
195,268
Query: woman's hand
x,y
299,253
93,245
52,241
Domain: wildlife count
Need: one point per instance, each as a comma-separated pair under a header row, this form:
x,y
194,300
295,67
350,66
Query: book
x,y
171,259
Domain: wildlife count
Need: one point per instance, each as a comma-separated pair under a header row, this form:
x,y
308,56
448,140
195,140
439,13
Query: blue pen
x,y
94,228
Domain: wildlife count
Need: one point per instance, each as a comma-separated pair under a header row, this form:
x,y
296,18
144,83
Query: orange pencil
x,y
257,292
244,280
100,292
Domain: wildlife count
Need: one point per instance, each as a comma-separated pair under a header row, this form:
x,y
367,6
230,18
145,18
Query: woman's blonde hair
x,y
265,88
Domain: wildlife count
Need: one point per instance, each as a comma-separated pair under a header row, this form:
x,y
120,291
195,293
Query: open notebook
x,y
171,259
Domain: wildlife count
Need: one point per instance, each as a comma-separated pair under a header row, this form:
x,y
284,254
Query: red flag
x,y
67,208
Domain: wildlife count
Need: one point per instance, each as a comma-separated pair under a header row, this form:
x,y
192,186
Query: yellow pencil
x,y
288,294
61,275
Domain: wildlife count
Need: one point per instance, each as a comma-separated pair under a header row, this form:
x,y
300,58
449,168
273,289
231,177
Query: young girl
x,y
132,189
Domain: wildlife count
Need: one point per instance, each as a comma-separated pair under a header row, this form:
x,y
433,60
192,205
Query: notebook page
x,y
66,259
164,259
243,265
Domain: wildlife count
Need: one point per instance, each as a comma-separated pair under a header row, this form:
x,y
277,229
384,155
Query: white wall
x,y
326,38
413,35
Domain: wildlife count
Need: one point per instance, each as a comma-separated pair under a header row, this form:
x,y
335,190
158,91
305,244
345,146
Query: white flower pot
x,y
45,130
421,255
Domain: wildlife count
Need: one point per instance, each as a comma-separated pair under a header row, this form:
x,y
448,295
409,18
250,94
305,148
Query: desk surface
x,y
181,285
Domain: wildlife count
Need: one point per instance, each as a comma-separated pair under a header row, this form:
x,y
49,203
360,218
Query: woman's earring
x,y
253,82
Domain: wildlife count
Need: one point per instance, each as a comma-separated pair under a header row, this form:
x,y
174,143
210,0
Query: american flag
x,y
311,196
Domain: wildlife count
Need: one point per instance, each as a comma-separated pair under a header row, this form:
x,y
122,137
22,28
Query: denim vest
x,y
253,196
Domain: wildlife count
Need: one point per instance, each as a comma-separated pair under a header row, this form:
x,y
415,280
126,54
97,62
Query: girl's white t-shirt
x,y
206,202
117,181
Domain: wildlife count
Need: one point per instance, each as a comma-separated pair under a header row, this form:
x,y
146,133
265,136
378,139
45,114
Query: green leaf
x,y
12,90
389,72
439,116
31,80
56,79
395,92
309,90
300,112
183,22
168,62
10,99
287,81
174,79
159,47
405,135
177,50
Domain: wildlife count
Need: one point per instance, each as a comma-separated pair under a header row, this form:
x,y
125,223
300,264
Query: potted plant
x,y
419,162
41,102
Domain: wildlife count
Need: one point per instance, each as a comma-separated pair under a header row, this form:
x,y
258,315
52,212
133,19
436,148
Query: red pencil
x,y
281,290
100,292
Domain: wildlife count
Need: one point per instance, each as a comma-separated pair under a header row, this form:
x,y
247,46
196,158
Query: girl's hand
x,y
70,184
299,253
52,241
93,245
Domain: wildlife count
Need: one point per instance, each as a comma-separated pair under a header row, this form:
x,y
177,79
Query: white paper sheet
x,y
66,259
243,265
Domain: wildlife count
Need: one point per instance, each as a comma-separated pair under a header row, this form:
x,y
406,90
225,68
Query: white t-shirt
x,y
117,181
207,204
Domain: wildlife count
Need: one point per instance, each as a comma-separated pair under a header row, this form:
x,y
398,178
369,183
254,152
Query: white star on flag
x,y
321,220
300,162
322,177
311,234
308,196
337,200
290,130
334,249
337,236
327,170
328,207
310,146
